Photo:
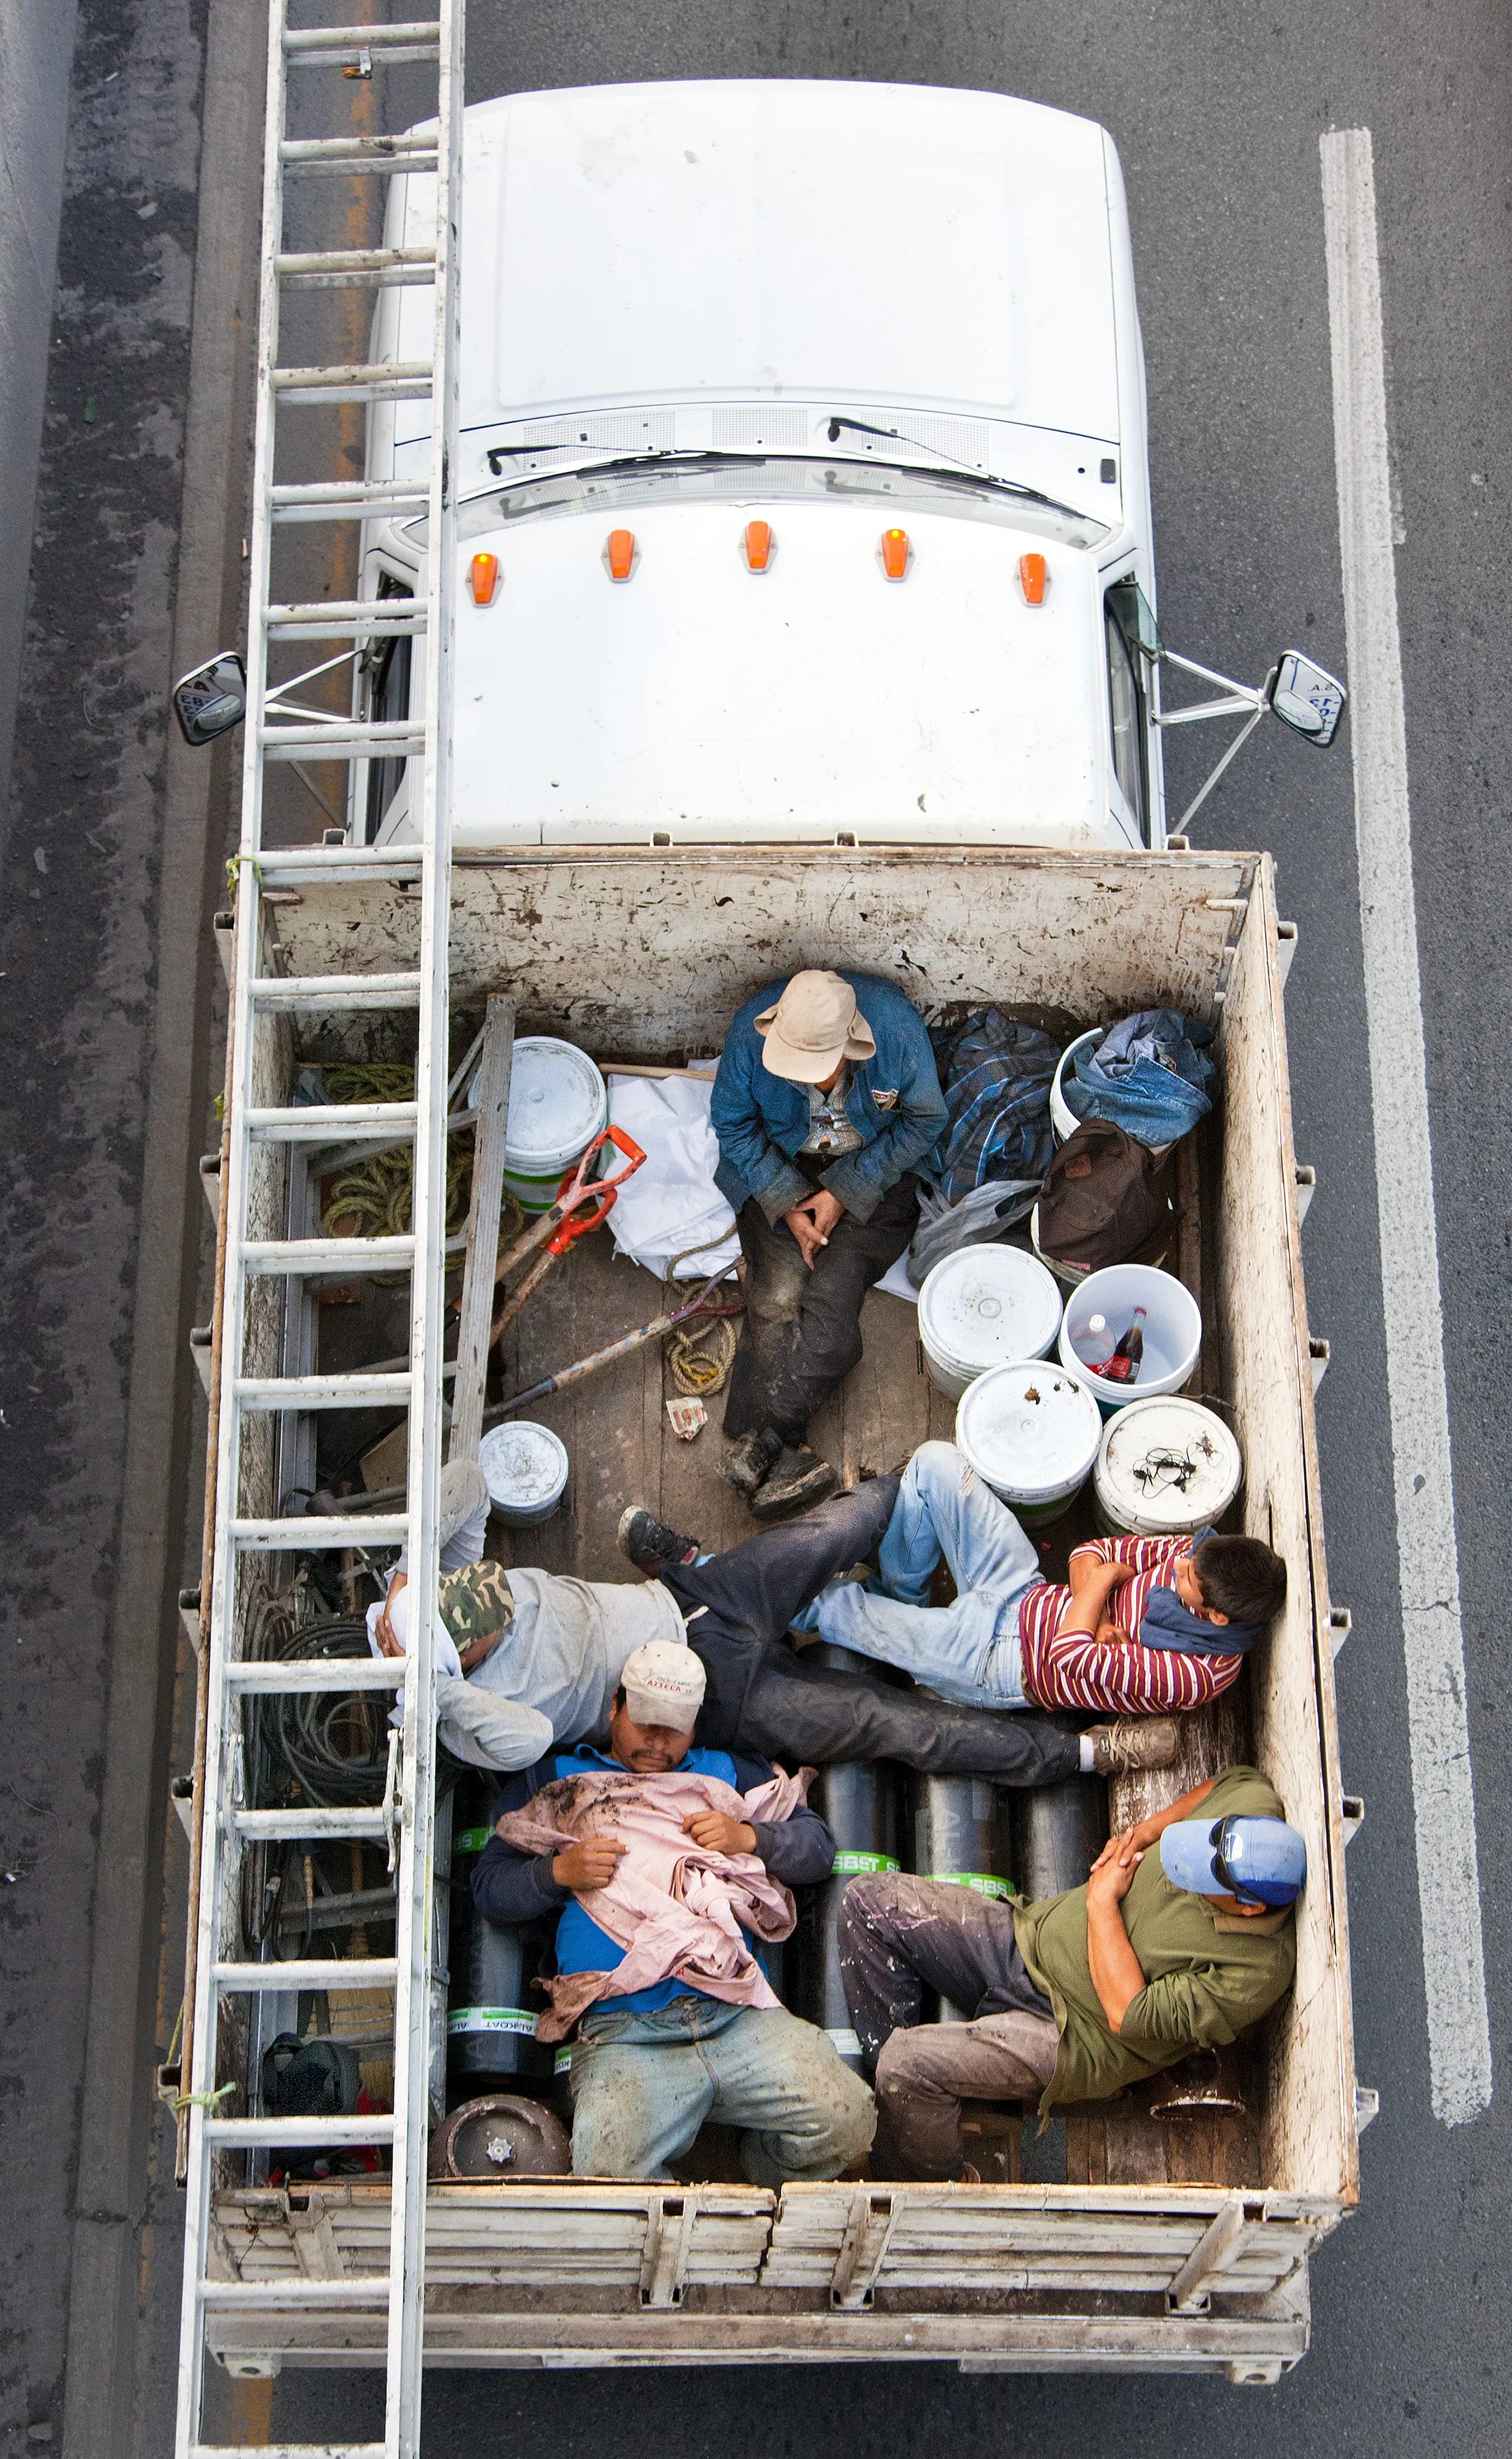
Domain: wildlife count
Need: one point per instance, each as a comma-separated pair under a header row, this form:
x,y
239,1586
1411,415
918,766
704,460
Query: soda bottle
x,y
1123,1366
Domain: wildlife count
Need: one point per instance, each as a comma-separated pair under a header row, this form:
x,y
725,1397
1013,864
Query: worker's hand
x,y
812,1222
717,1834
383,1629
476,1650
1113,1871
589,1864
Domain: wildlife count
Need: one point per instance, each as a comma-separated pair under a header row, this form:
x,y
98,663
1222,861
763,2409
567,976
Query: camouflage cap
x,y
475,1602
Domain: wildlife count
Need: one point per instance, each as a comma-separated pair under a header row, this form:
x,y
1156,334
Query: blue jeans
x,y
642,2085
968,1652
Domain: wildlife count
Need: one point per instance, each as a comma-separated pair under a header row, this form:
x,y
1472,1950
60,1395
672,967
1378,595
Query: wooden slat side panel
x,y
647,955
1308,2135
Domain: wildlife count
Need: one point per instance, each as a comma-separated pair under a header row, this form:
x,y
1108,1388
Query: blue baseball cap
x,y
1260,1861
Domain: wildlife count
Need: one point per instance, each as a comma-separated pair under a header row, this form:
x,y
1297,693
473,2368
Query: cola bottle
x,y
1123,1366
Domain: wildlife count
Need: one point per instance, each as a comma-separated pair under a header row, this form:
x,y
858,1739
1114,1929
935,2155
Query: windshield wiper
x,y
683,453
978,477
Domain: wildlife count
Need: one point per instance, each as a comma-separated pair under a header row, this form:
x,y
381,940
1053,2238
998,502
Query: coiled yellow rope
x,y
701,1355
376,1198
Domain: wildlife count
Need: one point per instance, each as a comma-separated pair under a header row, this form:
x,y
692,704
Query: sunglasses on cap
x,y
1219,1838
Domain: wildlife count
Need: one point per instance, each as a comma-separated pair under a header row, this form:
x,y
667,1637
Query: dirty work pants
x,y
764,1697
642,2085
899,1936
968,1652
801,1331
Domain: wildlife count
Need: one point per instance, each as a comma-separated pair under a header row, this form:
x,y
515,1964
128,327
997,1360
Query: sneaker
x,y
1131,1743
796,1479
650,1544
745,1463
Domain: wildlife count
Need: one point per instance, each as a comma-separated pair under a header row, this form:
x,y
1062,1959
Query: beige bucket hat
x,y
813,1026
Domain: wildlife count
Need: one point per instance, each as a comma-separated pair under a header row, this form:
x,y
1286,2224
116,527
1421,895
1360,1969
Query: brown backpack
x,y
1108,1200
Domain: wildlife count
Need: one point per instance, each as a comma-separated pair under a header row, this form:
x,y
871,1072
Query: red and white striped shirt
x,y
1121,1675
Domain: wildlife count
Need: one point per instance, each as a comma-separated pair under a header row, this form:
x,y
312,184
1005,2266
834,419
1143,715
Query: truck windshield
x,y
616,485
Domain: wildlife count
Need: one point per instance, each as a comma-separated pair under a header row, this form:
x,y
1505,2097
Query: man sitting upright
x,y
1163,1951
667,1865
1147,1626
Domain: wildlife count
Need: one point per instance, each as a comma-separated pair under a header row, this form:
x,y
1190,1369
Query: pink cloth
x,y
677,1910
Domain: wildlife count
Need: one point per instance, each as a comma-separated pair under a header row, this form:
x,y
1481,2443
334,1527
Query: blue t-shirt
x,y
581,1946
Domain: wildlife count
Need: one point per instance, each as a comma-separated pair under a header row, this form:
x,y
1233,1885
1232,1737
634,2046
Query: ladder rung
x,y
309,1972
347,740
294,2290
335,991
347,499
302,1677
321,1391
356,153
330,1122
318,1532
401,380
249,2134
292,2451
342,617
357,268
295,865
345,42
347,1826
281,1256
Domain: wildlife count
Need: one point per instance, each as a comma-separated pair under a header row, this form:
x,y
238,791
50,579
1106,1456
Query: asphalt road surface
x,y
1217,111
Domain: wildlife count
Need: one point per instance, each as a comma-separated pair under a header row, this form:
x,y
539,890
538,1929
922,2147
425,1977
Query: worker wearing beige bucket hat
x,y
825,1102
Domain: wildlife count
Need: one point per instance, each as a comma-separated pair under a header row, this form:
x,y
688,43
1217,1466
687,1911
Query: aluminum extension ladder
x,y
276,730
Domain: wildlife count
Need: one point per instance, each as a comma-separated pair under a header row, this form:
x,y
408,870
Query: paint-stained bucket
x,y
1031,1432
525,1469
1166,1466
981,1306
558,1103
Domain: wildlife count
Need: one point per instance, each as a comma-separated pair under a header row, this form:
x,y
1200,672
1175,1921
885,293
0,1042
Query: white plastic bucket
x,y
1172,1331
558,1103
1166,1466
1063,1118
1031,1432
525,1469
981,1306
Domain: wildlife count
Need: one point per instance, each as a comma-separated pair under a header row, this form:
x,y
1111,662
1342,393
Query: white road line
x,y
1443,1794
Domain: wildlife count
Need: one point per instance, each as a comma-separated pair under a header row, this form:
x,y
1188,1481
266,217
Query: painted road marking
x,y
1443,1792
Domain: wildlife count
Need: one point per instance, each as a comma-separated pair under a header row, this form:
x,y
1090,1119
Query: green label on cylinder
x,y
471,1839
861,1865
980,1882
491,2019
562,2064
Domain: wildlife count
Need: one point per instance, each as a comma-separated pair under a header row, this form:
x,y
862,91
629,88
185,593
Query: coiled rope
x,y
701,1352
376,1198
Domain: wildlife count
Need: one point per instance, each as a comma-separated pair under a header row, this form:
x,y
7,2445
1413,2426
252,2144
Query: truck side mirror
x,y
211,698
1308,698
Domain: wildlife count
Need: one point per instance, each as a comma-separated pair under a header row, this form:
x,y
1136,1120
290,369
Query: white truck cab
x,y
840,311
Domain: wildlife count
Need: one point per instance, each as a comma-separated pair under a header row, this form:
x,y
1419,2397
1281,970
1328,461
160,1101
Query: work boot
x,y
650,1544
796,1479
1131,1743
745,1463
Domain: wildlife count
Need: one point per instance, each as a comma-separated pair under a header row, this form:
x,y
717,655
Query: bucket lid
x,y
986,1306
1168,1463
557,1099
1030,1428
522,1465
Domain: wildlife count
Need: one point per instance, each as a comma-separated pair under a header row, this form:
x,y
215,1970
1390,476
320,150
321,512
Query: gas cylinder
x,y
962,1831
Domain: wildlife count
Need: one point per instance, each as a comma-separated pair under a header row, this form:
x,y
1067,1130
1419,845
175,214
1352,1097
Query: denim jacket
x,y
893,1101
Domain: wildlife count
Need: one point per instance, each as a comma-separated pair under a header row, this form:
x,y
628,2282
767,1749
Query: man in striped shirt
x,y
1147,1626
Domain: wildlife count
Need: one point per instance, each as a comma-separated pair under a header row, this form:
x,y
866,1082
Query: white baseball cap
x,y
663,1685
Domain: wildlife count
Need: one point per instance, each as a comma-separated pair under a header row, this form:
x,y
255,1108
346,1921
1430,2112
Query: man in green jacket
x,y
1161,1952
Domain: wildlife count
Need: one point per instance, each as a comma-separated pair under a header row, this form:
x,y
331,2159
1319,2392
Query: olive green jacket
x,y
1208,1975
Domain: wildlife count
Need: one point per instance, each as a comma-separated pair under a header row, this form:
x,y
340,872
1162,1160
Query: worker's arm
x,y
1092,1586
744,1145
859,1180
1149,1831
1116,1971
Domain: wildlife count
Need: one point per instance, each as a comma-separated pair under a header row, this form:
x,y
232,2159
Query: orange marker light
x,y
1032,579
483,578
894,553
619,554
758,543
